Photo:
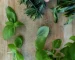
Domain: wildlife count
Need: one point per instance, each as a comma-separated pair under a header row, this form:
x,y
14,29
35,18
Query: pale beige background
x,y
30,28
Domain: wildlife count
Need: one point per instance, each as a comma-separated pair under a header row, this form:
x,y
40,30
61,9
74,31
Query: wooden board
x,y
30,28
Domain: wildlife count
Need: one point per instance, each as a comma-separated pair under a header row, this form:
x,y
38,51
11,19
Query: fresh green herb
x,y
8,31
65,53
18,41
56,43
35,8
72,38
55,15
42,55
16,54
11,15
11,24
67,7
43,31
18,24
13,47
68,44
41,37
70,19
19,56
40,43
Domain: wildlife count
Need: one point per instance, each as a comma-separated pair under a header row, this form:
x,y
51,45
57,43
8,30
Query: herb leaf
x,y
9,29
41,37
55,14
19,41
65,51
9,23
42,55
11,15
68,44
43,31
72,38
70,19
68,8
19,56
72,51
35,9
40,42
8,32
12,47
56,43
18,23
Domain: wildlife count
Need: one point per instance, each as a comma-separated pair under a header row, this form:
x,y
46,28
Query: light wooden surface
x,y
30,29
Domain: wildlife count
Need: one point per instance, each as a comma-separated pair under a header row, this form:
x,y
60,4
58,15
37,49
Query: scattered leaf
x,y
72,51
68,44
43,31
12,47
18,41
11,15
55,14
56,43
72,38
42,55
18,23
19,56
8,32
40,42
9,23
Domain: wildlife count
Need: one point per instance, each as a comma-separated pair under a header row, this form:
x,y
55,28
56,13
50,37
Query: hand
x,y
46,0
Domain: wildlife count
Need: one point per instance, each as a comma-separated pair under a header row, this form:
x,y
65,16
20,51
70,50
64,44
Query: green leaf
x,y
70,19
43,31
56,43
62,10
18,23
35,8
19,56
23,1
40,42
42,55
72,38
72,51
18,41
52,52
11,15
41,8
65,51
12,47
8,32
55,14
33,13
68,44
9,23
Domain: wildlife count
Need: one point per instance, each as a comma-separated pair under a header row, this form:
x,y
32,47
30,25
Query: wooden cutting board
x,y
30,28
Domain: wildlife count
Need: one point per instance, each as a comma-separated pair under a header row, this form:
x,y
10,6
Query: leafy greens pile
x,y
67,7
11,24
66,53
35,8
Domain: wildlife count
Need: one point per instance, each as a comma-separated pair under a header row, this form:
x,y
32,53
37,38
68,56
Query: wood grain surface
x,y
30,28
